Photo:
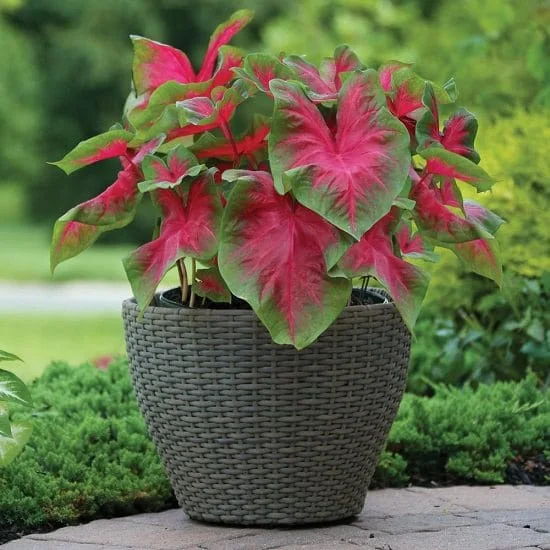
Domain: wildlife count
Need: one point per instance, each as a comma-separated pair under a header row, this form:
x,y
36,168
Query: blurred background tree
x,y
65,73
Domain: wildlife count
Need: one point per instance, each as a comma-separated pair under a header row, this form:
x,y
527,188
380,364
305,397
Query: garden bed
x,y
90,457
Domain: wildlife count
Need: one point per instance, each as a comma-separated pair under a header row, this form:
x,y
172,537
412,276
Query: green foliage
x,y
500,335
89,456
12,390
514,149
20,108
467,435
498,48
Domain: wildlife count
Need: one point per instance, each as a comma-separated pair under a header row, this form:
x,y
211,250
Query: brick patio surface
x,y
455,518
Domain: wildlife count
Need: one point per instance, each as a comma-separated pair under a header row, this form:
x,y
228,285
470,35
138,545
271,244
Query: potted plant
x,y
267,381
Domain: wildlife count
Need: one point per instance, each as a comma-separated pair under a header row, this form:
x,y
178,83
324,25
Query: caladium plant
x,y
347,173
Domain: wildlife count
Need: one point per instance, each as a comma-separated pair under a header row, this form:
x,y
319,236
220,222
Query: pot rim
x,y
131,303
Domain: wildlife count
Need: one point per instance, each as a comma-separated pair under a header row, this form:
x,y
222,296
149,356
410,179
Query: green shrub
x,y
89,455
467,435
499,336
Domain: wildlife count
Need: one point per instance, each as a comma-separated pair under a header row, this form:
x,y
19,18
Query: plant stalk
x,y
184,284
193,295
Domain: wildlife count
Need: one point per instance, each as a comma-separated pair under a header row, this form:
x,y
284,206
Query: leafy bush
x,y
500,335
12,390
515,151
467,435
499,48
89,455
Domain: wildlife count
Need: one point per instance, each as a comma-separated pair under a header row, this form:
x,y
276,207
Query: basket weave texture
x,y
254,433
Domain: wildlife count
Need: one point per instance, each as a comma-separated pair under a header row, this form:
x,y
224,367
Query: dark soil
x,y
172,298
529,470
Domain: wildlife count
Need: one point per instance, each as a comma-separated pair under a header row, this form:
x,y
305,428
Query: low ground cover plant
x,y
342,171
500,336
90,456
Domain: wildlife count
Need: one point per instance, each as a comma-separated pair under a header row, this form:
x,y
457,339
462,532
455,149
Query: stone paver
x,y
455,518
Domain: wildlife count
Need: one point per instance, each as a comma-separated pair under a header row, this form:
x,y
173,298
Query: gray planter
x,y
253,433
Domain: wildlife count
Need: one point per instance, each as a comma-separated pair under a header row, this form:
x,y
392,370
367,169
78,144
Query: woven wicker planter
x,y
255,433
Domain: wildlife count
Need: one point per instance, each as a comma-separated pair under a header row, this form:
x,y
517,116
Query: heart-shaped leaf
x,y
79,228
481,256
350,175
447,223
323,84
275,254
180,163
261,69
13,390
413,245
113,143
221,36
190,228
215,111
448,164
156,63
164,97
458,135
210,284
230,58
10,447
374,256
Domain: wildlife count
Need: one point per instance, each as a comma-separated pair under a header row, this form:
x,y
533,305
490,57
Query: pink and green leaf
x,y
344,60
275,254
374,256
318,89
221,36
351,175
459,135
489,221
180,163
215,111
439,221
156,63
445,163
252,143
413,245
113,143
261,69
70,239
210,284
189,229
163,97
230,59
481,256
77,229
147,148
427,128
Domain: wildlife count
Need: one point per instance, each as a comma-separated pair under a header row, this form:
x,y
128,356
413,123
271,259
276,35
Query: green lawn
x,y
24,256
41,338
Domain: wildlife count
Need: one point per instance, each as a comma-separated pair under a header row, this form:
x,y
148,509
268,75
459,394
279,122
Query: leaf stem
x,y
184,284
229,136
193,270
